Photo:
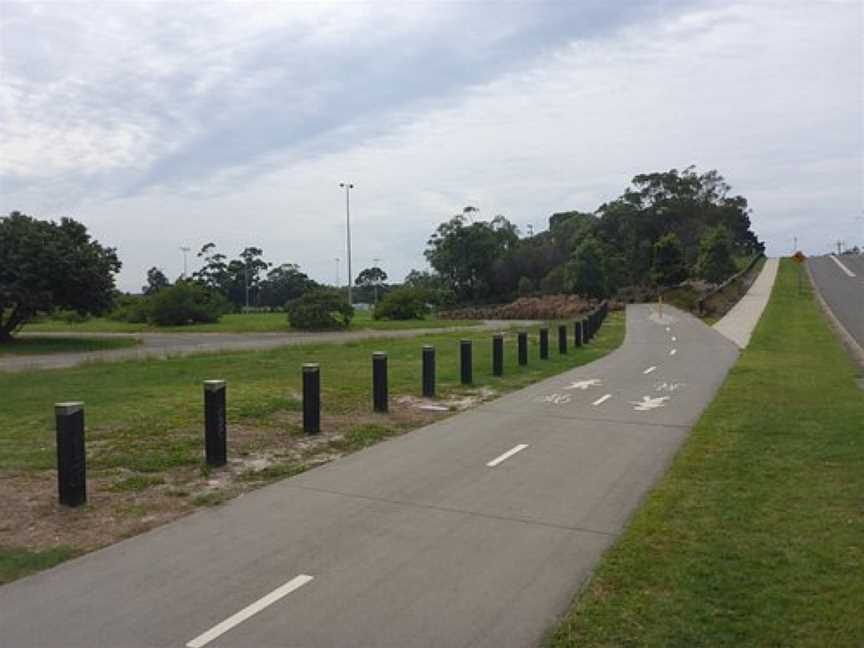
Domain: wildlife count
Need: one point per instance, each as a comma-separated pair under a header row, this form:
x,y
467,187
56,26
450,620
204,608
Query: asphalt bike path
x,y
474,531
840,282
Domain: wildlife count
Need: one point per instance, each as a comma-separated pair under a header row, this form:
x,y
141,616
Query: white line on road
x,y
250,610
602,399
507,455
673,352
668,328
649,370
674,339
843,267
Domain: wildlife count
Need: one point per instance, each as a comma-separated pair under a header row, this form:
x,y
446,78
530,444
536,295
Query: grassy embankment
x,y
144,429
40,345
755,536
232,323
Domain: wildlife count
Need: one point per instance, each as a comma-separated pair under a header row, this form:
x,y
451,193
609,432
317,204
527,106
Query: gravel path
x,y
162,345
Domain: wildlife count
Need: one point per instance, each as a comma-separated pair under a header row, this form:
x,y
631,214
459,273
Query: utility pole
x,y
347,186
185,251
839,246
337,272
795,245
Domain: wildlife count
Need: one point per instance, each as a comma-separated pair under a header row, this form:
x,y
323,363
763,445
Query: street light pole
x,y
376,261
348,187
337,272
185,251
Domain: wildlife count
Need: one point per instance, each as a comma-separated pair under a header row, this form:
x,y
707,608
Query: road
x,y
162,345
840,281
474,531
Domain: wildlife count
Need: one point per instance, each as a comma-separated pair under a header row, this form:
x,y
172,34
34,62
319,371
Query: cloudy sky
x,y
163,125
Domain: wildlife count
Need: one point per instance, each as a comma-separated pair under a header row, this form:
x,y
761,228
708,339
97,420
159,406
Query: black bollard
x,y
428,371
379,381
311,398
577,334
465,362
215,423
71,457
544,343
562,339
498,354
523,348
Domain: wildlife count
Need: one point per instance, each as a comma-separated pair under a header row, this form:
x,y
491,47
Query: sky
x,y
165,125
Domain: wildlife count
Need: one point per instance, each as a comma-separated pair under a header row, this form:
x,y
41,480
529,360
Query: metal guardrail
x,y
727,283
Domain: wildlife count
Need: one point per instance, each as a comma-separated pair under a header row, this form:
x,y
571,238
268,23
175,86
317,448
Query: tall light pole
x,y
185,251
347,186
337,271
376,261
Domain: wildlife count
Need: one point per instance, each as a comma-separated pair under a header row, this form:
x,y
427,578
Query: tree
x,y
464,255
186,302
715,263
668,267
586,271
283,284
46,265
156,281
214,271
526,287
371,278
403,304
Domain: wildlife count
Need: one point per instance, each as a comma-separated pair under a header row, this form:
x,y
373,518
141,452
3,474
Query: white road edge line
x,y
602,399
843,267
673,352
649,370
250,610
512,451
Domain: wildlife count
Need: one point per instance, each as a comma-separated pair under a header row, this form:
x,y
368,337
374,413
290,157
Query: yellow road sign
x,y
799,257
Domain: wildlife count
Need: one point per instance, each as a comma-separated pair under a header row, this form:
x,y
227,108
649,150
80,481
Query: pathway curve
x,y
163,345
738,324
474,531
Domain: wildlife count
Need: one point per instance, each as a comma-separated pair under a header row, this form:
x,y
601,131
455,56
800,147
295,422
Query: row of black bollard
x,y
69,417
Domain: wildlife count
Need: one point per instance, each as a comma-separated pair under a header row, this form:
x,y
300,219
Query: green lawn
x,y
233,323
755,536
38,345
15,563
144,421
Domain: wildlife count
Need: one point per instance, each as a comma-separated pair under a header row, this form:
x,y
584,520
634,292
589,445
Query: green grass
x,y
17,562
234,323
40,345
755,536
146,416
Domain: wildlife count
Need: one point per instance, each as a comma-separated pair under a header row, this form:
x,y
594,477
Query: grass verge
x,y
755,536
234,323
40,345
144,426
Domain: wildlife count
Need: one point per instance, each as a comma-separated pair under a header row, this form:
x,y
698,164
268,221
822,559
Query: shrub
x,y
404,304
130,308
525,286
715,263
70,316
186,303
320,309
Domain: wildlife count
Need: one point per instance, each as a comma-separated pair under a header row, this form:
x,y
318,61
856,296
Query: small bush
x,y
130,308
70,316
403,304
186,303
320,310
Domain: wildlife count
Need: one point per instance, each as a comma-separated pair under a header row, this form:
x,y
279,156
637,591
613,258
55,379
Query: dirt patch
x,y
123,503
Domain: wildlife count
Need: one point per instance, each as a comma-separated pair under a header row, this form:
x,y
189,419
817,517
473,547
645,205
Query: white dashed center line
x,y
649,370
507,455
673,352
249,611
602,399
674,339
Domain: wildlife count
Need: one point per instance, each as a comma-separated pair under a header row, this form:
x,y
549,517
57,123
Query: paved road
x,y
474,531
843,293
162,345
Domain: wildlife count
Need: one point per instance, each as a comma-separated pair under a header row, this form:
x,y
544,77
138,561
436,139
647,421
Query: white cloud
x,y
220,131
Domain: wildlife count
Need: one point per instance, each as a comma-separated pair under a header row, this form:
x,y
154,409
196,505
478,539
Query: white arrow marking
x,y
648,403
250,610
649,370
507,455
843,267
602,399
584,384
555,399
673,352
